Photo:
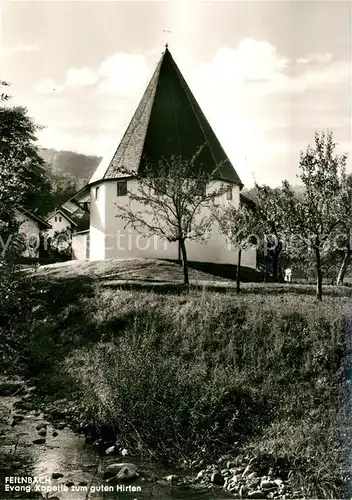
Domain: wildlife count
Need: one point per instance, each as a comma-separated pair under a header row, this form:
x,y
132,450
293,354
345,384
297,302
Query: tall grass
x,y
215,373
201,374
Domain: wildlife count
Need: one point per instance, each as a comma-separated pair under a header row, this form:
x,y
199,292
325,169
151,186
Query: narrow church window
x,y
229,193
59,219
97,193
122,188
55,219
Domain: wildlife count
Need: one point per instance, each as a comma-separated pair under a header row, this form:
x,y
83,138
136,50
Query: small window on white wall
x,y
59,219
229,193
122,188
55,219
97,193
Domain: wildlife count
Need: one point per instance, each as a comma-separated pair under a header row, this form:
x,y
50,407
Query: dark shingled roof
x,y
42,224
168,120
64,212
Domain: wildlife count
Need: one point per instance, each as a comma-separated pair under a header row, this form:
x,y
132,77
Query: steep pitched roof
x,y
42,224
168,120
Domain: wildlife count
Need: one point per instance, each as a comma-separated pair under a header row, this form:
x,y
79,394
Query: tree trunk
x,y
319,292
344,265
276,258
266,269
184,261
238,274
275,267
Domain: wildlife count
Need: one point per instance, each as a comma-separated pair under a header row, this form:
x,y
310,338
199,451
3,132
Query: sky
x,y
266,74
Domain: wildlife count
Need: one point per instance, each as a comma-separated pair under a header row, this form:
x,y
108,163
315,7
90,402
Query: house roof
x,y
81,199
247,201
69,207
168,120
41,222
64,213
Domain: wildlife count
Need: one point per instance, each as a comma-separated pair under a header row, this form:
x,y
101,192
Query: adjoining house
x,y
60,220
31,227
168,120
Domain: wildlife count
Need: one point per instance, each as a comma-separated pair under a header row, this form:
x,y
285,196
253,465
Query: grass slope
x,y
196,373
143,270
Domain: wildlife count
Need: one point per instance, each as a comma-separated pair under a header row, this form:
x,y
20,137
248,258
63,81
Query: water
x,y
68,454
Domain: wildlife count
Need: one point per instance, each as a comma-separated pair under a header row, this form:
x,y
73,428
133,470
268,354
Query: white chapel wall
x,y
111,239
125,242
98,205
216,249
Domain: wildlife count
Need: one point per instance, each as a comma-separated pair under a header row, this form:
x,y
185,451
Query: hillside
x,y
256,381
76,166
117,270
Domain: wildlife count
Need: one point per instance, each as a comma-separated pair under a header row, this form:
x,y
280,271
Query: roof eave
x,y
62,213
249,202
42,224
81,192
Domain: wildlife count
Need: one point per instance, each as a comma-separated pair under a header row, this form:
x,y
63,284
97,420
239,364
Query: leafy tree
x,y
172,201
238,224
11,241
23,180
60,244
322,208
11,189
9,179
270,225
20,154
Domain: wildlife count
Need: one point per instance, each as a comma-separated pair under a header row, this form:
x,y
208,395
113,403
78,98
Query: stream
x,y
79,465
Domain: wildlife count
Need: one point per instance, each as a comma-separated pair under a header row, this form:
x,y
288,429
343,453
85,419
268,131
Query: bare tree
x,y
173,200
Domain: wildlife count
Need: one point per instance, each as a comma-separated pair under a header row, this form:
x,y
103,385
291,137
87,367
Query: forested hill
x,y
68,173
76,168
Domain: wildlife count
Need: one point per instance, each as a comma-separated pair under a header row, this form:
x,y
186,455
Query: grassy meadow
x,y
197,373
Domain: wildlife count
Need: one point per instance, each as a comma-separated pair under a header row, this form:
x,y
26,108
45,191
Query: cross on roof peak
x,y
166,44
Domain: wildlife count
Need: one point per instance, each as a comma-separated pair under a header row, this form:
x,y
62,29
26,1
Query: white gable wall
x,y
58,226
